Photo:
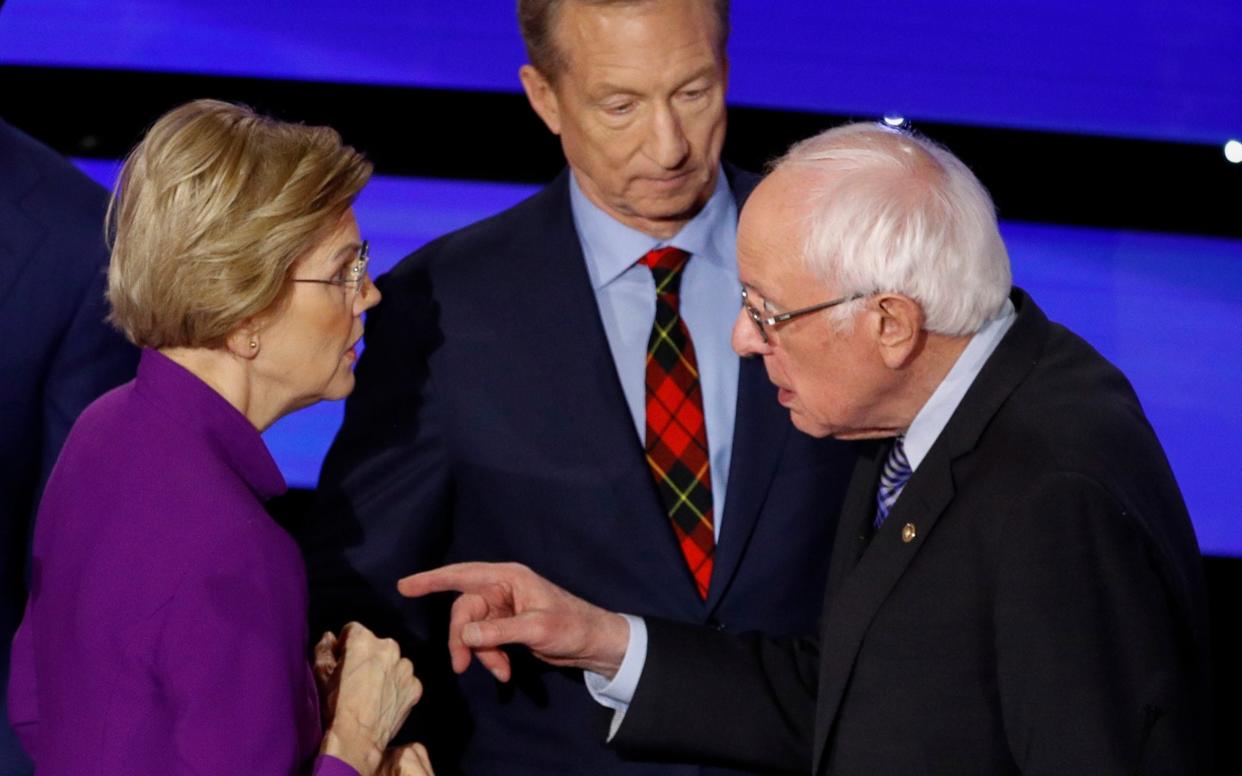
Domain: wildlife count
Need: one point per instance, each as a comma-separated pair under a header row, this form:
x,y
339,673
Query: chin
x,y
808,427
341,387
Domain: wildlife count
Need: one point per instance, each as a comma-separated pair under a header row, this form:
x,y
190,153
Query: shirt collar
x,y
935,414
610,247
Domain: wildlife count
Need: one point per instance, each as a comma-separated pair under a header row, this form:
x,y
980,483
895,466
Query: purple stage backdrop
x,y
1162,69
1167,309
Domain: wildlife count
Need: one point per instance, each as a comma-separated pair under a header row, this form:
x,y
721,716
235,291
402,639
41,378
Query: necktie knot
x,y
666,265
892,479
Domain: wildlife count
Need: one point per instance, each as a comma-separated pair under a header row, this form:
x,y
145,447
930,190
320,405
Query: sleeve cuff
x,y
327,765
617,693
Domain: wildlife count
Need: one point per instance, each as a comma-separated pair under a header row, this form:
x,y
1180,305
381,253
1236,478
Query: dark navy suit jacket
x,y
1034,604
488,423
57,353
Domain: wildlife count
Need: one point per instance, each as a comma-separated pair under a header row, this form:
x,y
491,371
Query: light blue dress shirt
x,y
919,438
626,297
939,408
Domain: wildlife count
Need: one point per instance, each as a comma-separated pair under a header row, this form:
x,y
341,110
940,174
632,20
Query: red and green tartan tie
x,y
676,429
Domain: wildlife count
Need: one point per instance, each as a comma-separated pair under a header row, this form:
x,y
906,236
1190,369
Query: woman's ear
x,y
244,341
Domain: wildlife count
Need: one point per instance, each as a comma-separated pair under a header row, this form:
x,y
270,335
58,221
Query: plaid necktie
x,y
676,438
892,480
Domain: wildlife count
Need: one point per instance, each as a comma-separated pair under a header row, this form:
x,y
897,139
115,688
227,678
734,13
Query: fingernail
x,y
470,635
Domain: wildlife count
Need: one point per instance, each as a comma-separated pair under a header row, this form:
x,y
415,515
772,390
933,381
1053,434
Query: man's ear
x,y
542,97
898,327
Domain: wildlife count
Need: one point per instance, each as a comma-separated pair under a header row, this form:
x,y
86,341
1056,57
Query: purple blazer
x,y
166,627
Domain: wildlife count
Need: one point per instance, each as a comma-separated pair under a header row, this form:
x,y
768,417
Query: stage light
x,y
894,120
1233,151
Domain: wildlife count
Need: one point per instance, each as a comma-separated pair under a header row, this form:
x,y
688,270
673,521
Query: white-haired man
x,y
1015,585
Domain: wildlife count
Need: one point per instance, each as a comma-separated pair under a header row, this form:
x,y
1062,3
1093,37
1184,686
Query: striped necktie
x,y
896,472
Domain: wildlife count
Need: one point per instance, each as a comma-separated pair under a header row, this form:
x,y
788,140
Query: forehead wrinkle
x,y
609,37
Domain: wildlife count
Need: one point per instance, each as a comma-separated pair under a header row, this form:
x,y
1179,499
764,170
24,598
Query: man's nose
x,y
747,341
667,144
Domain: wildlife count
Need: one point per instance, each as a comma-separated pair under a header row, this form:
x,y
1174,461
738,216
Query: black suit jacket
x,y
488,423
58,354
1047,617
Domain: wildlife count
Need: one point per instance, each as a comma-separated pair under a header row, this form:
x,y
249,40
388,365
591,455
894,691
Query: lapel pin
x,y
909,532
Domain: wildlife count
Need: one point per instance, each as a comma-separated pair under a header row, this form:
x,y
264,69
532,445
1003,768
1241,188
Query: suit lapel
x,y
861,590
857,590
562,301
580,384
759,435
856,515
760,432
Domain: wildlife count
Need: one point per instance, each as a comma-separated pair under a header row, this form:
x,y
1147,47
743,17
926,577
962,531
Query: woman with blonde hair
x,y
166,626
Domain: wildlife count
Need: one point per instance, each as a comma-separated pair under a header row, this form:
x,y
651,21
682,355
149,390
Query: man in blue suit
x,y
58,353
555,386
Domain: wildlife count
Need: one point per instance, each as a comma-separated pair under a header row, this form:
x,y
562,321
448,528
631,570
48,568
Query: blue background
x,y
1166,308
1164,69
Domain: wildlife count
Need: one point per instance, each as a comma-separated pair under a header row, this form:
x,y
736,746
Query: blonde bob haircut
x,y
210,213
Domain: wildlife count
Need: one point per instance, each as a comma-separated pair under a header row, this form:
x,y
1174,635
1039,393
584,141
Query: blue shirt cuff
x,y
619,692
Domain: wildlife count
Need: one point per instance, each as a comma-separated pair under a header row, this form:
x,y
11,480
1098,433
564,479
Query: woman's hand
x,y
408,760
323,669
368,696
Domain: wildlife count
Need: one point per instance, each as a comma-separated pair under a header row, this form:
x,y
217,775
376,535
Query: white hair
x,y
889,211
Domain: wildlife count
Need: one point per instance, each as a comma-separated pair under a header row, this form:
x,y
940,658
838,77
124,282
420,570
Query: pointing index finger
x,y
461,577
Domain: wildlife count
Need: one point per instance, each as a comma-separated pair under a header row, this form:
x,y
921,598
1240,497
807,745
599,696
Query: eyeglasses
x,y
763,322
355,277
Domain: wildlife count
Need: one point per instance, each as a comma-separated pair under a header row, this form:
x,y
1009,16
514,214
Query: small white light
x,y
894,119
1233,151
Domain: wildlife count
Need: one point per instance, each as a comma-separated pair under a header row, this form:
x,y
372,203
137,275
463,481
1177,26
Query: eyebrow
x,y
608,89
765,299
751,287
345,252
709,71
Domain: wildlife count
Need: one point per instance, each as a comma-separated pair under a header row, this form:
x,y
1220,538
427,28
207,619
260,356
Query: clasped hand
x,y
366,692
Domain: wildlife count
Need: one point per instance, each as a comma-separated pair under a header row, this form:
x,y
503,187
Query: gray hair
x,y
890,211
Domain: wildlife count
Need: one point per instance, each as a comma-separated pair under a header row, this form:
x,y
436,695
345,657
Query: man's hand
x,y
507,603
